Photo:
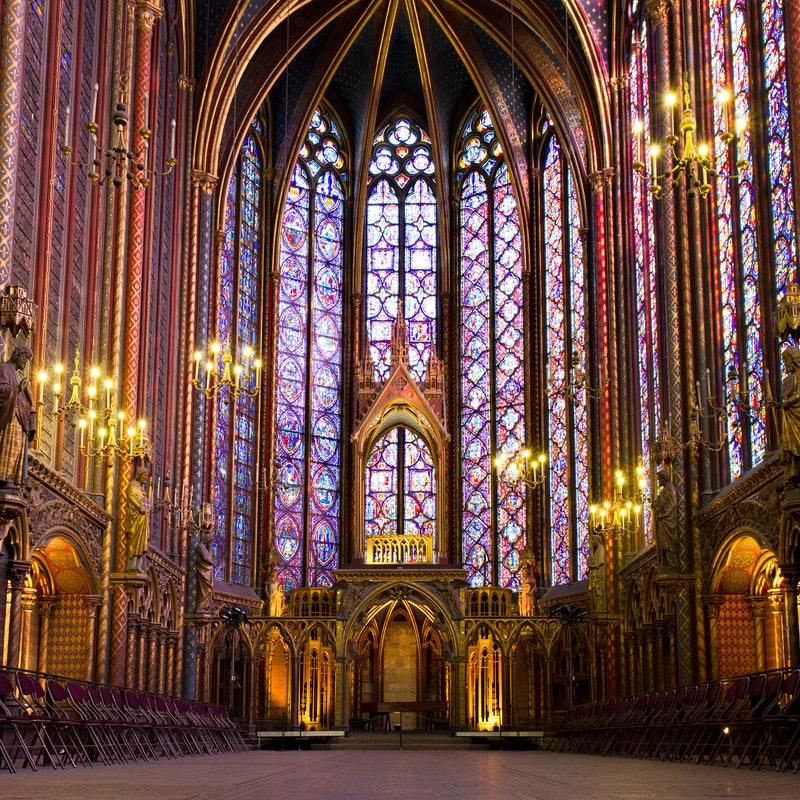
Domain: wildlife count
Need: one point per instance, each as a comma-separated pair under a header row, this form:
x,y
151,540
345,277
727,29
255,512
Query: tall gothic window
x,y
237,328
492,357
401,245
735,67
644,253
309,362
564,278
401,236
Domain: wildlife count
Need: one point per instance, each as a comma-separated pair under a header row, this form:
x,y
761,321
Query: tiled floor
x,y
400,775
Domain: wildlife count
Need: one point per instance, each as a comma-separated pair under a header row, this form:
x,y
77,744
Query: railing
x,y
400,550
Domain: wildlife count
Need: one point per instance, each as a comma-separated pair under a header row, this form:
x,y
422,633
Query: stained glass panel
x,y
556,335
309,363
476,406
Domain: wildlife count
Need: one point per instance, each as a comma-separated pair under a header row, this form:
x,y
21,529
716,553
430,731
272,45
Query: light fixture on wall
x,y
521,466
623,511
217,374
104,430
694,162
115,162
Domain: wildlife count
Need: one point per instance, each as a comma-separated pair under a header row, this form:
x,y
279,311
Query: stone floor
x,y
400,775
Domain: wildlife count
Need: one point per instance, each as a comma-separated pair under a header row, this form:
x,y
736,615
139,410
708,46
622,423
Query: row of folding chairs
x,y
60,723
749,721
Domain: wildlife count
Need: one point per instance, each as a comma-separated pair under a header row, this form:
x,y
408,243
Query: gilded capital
x,y
207,183
658,10
186,83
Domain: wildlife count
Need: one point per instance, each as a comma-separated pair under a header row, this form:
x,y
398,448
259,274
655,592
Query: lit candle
x,y
258,372
67,130
708,384
209,370
82,424
655,151
102,434
672,103
42,377
172,140
198,357
95,91
638,128
131,432
142,425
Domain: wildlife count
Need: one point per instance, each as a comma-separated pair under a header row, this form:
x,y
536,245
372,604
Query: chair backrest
x,y
56,691
6,686
29,686
77,693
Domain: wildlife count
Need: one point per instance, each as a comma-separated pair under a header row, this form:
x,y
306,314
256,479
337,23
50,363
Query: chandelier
x,y
220,375
679,149
623,511
521,466
104,430
115,162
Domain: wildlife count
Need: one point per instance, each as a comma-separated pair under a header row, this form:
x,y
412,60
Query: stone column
x,y
141,660
758,609
130,652
28,658
712,605
171,645
200,270
459,697
152,657
650,658
162,684
17,571
92,602
294,718
341,710
779,602
46,603
659,670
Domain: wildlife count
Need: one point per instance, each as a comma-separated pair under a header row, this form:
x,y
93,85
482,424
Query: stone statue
x,y
790,418
273,591
665,510
17,419
526,590
205,571
137,523
597,570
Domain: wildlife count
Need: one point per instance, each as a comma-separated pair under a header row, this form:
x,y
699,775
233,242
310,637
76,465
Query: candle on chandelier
x,y
67,129
95,92
172,140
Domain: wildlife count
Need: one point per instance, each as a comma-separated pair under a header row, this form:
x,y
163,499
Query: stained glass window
x,y
741,262
237,328
309,362
644,255
401,245
492,357
564,268
401,267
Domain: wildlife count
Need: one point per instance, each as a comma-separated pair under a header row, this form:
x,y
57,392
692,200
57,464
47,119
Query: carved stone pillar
x,y
152,657
141,655
341,710
171,645
779,601
200,267
46,603
758,609
660,668
92,602
17,571
712,604
130,660
459,697
649,658
294,720
28,656
163,674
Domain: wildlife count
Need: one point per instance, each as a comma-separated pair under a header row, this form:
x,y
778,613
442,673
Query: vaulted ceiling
x,y
434,57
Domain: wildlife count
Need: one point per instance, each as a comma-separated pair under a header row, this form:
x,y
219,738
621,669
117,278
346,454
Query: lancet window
x,y
238,296
309,361
565,332
492,355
